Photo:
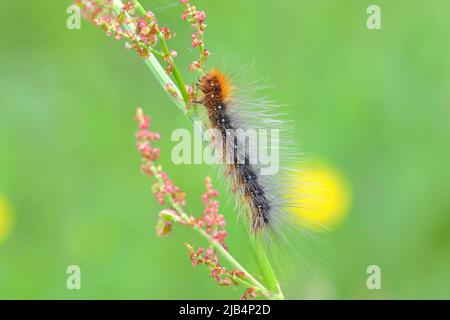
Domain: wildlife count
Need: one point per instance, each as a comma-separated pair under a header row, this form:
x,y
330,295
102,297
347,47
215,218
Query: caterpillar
x,y
262,195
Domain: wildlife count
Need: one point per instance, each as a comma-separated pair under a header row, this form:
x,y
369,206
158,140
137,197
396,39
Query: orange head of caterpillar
x,y
216,89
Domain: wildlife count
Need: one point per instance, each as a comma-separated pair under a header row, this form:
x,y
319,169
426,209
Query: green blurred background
x,y
374,104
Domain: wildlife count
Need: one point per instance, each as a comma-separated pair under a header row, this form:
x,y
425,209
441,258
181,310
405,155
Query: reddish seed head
x,y
249,294
200,16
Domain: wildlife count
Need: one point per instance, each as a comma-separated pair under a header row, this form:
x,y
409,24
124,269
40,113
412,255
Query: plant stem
x,y
153,64
267,270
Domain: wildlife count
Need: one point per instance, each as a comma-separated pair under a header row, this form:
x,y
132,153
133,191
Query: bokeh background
x,y
373,106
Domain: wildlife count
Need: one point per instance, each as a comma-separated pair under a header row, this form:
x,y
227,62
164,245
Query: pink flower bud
x,y
200,16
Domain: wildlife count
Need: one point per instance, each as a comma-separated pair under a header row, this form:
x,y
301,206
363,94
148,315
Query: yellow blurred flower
x,y
322,197
5,219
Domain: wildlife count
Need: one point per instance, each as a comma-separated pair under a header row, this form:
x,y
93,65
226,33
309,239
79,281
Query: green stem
x,y
153,64
267,270
155,52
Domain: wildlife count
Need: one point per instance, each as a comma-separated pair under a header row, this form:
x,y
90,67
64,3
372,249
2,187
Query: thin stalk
x,y
155,52
267,270
158,71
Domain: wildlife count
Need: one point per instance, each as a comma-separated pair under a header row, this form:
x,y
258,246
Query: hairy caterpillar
x,y
263,196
